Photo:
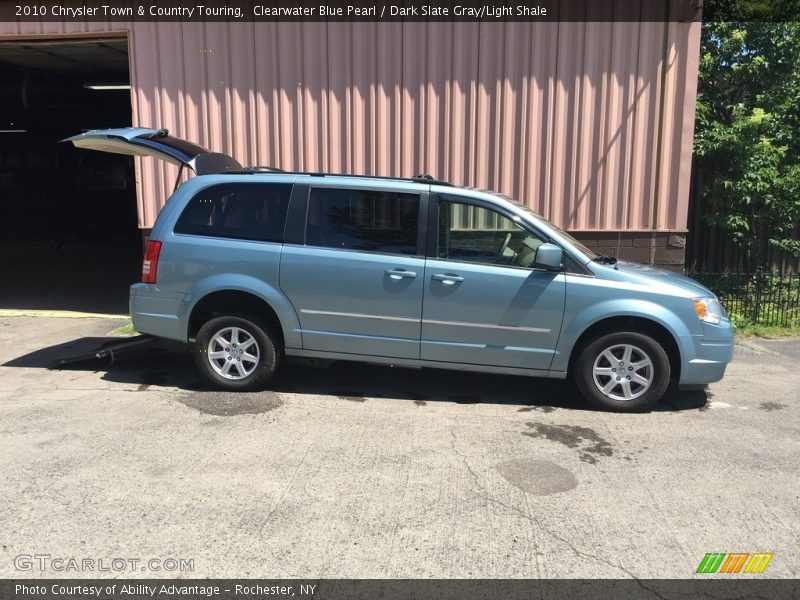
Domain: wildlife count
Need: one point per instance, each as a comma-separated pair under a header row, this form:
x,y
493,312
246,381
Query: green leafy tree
x,y
747,140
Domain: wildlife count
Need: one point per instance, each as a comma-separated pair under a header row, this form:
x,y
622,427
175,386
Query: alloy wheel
x,y
623,372
233,353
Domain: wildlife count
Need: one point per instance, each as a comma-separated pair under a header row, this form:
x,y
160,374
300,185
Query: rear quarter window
x,y
244,211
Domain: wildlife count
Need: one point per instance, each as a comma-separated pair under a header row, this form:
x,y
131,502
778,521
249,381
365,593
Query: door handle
x,y
447,278
398,274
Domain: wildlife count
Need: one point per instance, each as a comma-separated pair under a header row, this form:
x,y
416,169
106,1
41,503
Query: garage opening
x,y
68,221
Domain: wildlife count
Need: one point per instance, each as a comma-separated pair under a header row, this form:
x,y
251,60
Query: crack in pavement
x,y
485,495
287,488
528,515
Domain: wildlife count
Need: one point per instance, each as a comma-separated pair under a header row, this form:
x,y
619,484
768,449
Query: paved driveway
x,y
352,471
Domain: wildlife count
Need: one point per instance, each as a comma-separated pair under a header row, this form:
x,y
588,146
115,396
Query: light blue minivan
x,y
252,264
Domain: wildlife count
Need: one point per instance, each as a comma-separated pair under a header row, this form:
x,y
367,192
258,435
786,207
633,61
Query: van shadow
x,y
356,382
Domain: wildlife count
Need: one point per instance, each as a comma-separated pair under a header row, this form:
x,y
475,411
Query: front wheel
x,y
236,353
624,372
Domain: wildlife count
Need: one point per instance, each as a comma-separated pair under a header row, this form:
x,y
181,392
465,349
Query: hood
x,y
664,276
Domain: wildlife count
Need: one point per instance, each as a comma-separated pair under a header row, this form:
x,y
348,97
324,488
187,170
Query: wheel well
x,y
236,303
613,324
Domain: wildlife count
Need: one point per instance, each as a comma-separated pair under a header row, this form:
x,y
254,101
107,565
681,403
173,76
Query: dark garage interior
x,y
68,222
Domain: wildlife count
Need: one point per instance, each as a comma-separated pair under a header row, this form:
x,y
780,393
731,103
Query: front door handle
x,y
399,274
447,278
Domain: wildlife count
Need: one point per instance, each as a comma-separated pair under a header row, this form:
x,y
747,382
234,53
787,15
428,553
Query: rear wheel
x,y
236,353
625,372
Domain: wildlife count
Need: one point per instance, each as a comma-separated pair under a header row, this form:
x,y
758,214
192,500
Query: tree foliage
x,y
747,141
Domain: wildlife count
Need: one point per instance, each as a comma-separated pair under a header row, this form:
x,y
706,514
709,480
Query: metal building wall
x,y
590,124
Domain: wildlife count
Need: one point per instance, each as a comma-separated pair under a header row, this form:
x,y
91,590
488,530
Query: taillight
x,y
150,262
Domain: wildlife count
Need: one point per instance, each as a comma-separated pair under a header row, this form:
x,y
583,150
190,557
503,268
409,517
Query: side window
x,y
245,211
476,234
368,220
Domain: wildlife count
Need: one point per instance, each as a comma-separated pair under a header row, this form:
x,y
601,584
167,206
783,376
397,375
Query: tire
x,y
245,361
644,363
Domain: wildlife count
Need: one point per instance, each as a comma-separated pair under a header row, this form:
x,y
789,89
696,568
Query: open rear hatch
x,y
158,143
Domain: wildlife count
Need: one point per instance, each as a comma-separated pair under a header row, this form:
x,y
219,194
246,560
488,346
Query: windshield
x,y
591,254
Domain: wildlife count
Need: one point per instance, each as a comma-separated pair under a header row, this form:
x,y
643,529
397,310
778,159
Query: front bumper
x,y
706,356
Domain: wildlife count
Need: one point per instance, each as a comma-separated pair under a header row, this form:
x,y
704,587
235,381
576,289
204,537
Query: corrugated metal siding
x,y
562,116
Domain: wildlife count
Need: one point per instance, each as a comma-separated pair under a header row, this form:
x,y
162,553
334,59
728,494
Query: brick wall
x,y
666,249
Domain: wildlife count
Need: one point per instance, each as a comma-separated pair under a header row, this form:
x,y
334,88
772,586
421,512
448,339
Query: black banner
x,y
397,589
400,10
353,10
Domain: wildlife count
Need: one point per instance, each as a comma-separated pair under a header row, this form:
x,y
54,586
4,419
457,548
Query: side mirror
x,y
548,256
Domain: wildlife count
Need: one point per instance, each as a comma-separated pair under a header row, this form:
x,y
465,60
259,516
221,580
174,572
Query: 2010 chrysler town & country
x,y
253,264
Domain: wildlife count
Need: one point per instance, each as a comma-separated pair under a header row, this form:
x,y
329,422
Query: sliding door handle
x,y
447,278
398,274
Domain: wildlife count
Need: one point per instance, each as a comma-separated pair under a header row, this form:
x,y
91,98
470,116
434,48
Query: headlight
x,y
708,310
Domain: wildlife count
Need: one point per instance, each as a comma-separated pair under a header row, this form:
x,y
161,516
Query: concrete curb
x,y
58,314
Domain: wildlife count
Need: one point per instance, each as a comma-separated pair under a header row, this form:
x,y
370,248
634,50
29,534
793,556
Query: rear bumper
x,y
155,313
706,356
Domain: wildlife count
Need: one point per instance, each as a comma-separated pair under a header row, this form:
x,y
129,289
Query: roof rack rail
x,y
420,178
257,168
427,178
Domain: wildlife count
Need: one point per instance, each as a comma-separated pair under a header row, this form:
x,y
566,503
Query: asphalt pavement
x,y
346,470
